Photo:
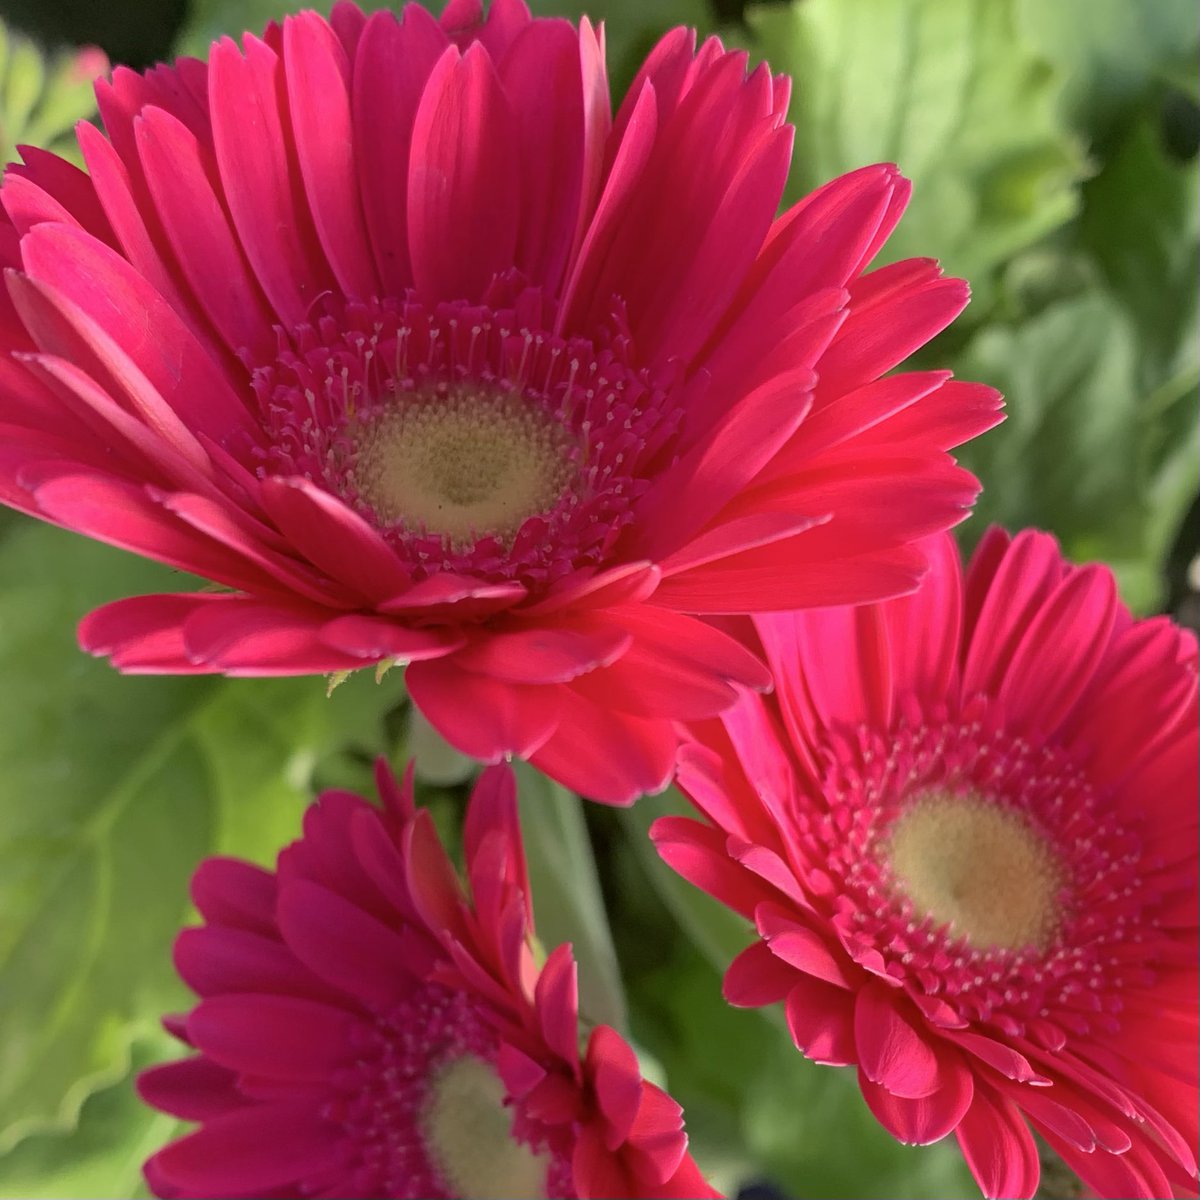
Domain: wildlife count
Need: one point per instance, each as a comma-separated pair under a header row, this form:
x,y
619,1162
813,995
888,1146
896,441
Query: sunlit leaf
x,y
951,94
114,788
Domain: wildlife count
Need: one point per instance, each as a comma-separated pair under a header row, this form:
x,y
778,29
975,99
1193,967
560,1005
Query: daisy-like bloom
x,y
965,831
369,1028
387,327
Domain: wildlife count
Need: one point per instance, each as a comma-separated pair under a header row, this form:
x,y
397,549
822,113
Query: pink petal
x,y
633,148
281,1037
484,717
998,604
551,654
780,576
628,583
927,1119
65,185
492,813
238,894
891,1051
227,525
756,978
192,1089
253,1149
318,78
121,514
617,1080
144,634
178,172
94,280
343,945
334,538
697,852
696,488
886,328
999,1148
462,186
924,628
216,958
1057,658
376,638
265,195
556,999
542,76
242,636
393,61
806,951
820,1021
579,752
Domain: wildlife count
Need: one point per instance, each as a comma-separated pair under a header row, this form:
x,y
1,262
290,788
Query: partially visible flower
x,y
368,1027
965,828
388,327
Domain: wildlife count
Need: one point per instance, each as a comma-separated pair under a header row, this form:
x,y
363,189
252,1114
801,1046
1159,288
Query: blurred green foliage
x,y
42,96
1052,151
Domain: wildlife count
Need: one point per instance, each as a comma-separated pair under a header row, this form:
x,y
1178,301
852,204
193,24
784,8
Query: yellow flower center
x,y
468,1133
979,868
463,465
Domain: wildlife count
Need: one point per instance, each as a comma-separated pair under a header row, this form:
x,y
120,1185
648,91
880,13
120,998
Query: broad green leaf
x,y
1141,224
950,93
101,1158
567,904
114,788
41,98
1113,51
1086,452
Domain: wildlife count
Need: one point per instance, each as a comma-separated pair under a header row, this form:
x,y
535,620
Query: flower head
x,y
388,327
369,1028
965,830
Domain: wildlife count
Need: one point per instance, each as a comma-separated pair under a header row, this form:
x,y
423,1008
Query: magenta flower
x,y
387,327
368,1028
965,830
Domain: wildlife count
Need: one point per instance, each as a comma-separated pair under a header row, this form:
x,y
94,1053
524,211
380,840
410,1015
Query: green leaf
x,y
1112,51
1141,224
41,98
114,788
567,904
950,93
101,1158
1085,452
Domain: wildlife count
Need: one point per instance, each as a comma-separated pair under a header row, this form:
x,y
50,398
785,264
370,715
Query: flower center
x,y
427,1112
462,465
981,869
475,440
469,1132
984,868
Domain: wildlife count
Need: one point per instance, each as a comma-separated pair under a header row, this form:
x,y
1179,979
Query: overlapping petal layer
x,y
388,327
965,829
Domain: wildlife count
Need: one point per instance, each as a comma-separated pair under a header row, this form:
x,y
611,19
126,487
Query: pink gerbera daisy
x,y
388,327
368,1028
965,830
